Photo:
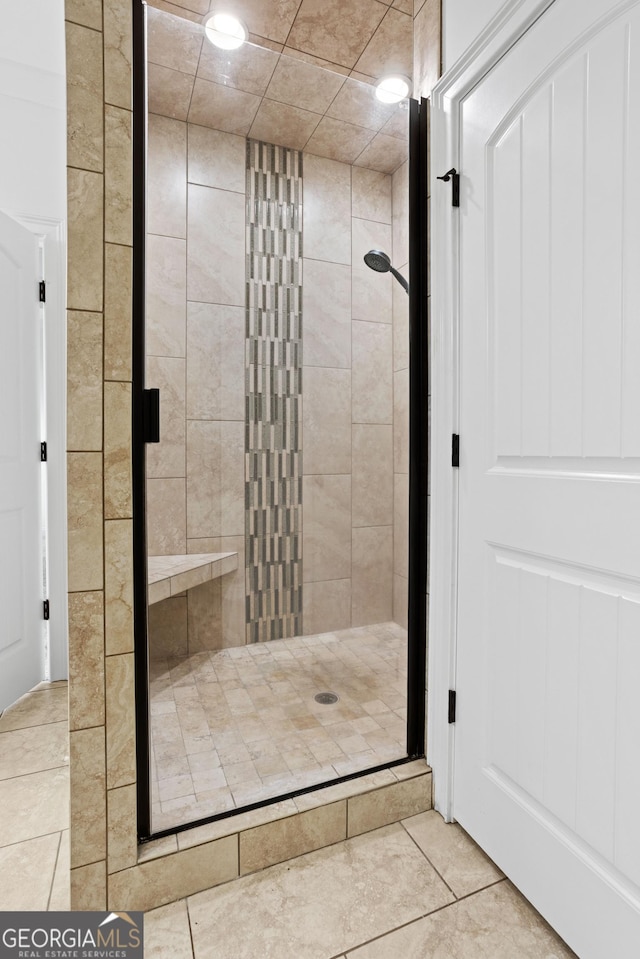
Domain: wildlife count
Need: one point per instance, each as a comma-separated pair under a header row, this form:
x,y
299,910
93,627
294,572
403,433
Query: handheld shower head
x,y
379,261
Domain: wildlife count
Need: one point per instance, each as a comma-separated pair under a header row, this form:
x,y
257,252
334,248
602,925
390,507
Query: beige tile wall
x,y
102,719
109,870
195,356
347,436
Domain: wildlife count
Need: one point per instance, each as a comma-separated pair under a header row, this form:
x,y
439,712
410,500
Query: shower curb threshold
x,y
191,861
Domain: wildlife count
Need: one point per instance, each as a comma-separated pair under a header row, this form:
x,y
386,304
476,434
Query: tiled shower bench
x,y
170,575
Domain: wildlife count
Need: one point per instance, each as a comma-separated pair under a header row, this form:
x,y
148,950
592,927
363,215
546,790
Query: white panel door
x,y
547,740
21,576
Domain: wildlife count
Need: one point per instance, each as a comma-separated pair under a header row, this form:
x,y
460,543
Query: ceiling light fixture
x,y
392,89
225,31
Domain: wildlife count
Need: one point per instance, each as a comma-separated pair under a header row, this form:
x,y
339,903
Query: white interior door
x,y
547,739
21,576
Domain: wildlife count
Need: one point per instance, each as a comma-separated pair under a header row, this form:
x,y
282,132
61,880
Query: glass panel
x,y
277,499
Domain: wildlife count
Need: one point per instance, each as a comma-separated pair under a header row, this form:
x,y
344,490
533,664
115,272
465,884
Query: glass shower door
x,y
277,497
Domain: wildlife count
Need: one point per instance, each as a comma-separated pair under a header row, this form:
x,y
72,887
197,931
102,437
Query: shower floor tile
x,y
241,725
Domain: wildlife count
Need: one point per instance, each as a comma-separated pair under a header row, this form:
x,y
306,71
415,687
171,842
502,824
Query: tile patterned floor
x,y
233,727
34,799
419,889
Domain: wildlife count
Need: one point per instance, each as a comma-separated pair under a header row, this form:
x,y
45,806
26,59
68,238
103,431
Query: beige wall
x,y
105,867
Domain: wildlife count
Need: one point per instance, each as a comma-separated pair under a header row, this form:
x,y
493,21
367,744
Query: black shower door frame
x,y
144,425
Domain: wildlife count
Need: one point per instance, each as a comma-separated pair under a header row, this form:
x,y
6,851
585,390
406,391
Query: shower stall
x,y
276,501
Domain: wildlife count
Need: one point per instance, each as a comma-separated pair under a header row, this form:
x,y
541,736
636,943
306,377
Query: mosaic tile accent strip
x,y
273,449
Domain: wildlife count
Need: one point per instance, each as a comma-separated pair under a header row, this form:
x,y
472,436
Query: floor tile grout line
x,y
411,922
18,842
21,729
457,898
33,772
475,892
345,952
193,946
53,875
435,869
46,722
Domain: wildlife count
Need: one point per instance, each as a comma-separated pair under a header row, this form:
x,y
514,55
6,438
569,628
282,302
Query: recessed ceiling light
x,y
225,31
392,89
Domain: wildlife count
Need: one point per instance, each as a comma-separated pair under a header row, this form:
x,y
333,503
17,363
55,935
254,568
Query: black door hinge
x,y
42,288
454,176
151,415
45,609
43,452
452,706
455,450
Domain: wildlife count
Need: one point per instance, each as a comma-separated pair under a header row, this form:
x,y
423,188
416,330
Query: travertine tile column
x,y
102,713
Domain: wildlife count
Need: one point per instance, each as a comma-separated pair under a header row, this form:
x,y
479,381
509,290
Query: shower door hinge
x,y
42,291
455,450
45,609
452,706
454,176
43,452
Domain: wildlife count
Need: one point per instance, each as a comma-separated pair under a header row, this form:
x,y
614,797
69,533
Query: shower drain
x,y
326,698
